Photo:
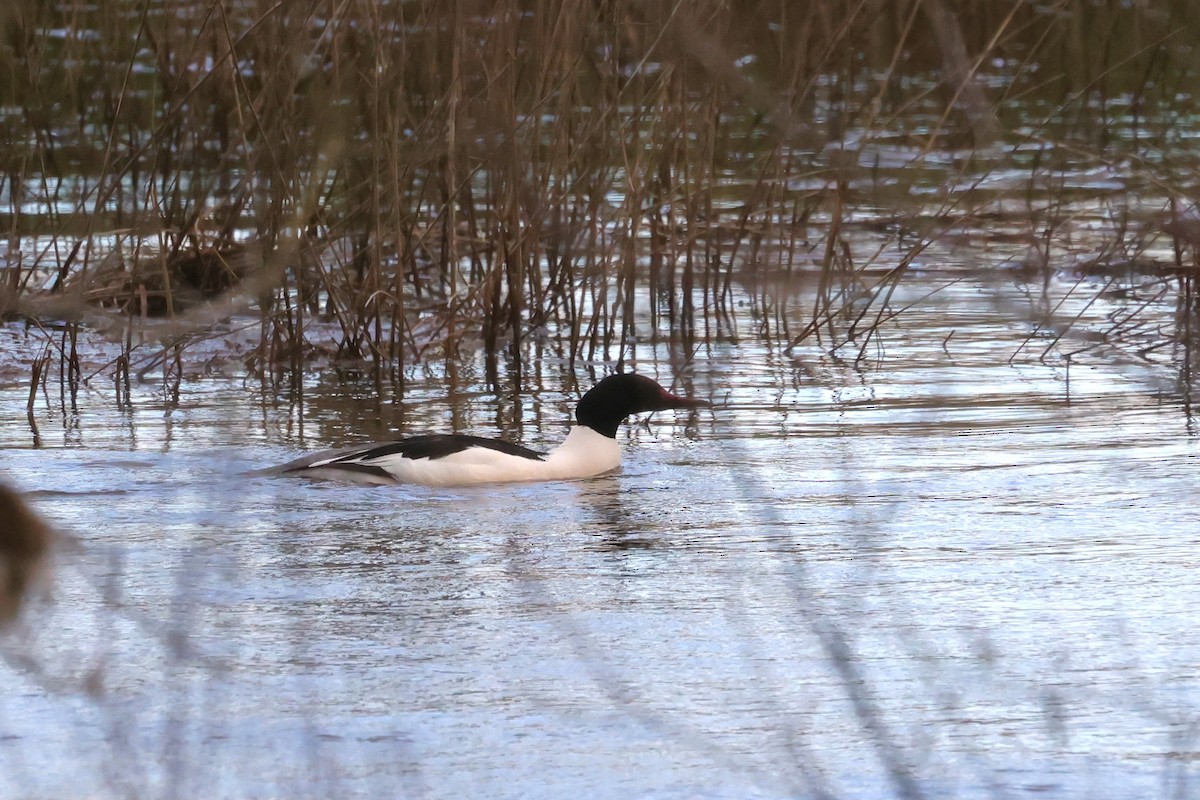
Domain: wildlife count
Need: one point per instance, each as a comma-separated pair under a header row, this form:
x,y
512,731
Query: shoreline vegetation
x,y
389,182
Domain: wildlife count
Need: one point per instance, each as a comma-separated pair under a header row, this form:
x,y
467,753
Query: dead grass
x,y
24,544
428,174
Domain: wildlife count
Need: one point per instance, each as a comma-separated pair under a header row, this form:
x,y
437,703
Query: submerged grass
x,y
390,182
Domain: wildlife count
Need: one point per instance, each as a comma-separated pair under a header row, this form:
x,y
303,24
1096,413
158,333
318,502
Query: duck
x,y
461,460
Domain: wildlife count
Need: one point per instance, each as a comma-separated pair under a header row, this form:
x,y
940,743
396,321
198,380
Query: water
x,y
954,563
933,573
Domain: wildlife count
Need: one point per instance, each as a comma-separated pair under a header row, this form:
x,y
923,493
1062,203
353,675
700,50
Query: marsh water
x,y
949,552
954,570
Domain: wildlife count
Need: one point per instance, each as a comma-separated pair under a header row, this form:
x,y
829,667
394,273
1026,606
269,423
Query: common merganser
x,y
455,460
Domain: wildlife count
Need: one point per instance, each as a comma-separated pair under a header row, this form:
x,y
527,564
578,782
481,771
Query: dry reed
x,y
394,181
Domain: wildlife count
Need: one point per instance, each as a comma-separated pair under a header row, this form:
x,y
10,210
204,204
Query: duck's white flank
x,y
583,454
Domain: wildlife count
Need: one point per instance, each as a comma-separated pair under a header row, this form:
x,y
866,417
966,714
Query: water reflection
x,y
618,523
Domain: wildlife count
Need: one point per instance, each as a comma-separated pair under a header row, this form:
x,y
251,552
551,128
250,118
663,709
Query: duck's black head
x,y
609,402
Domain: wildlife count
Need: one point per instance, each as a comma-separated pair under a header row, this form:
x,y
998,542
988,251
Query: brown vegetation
x,y
424,174
24,543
